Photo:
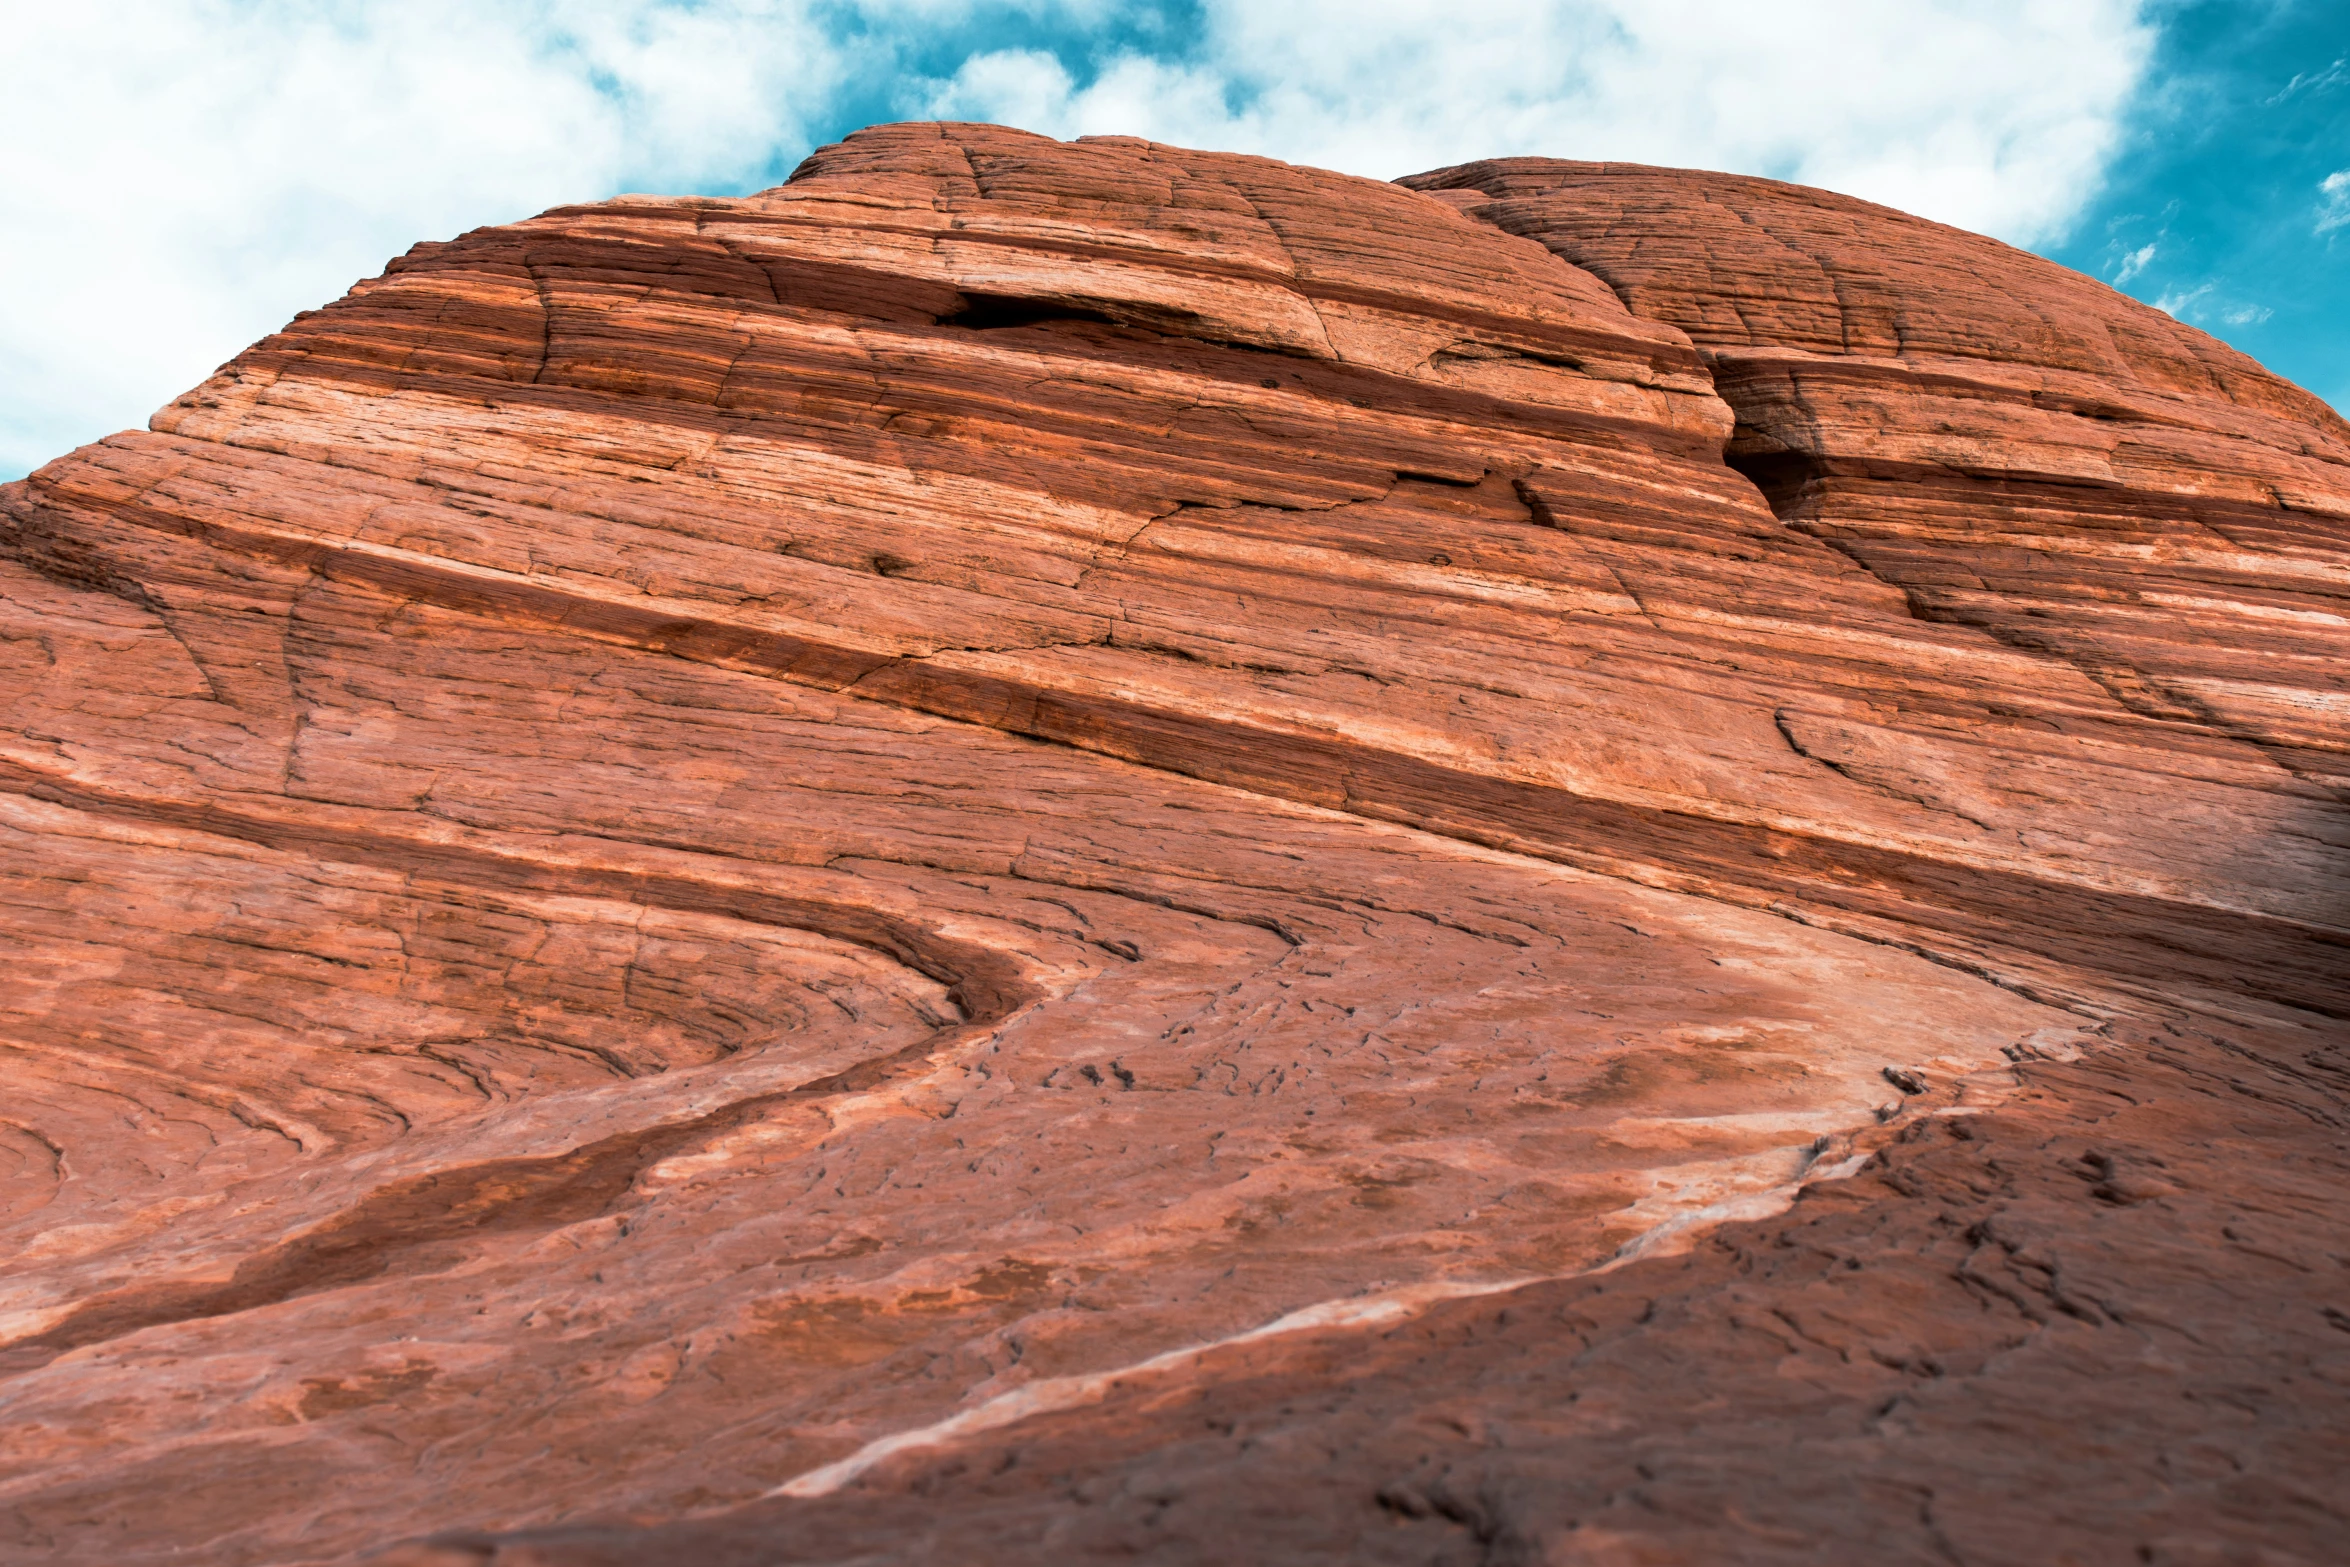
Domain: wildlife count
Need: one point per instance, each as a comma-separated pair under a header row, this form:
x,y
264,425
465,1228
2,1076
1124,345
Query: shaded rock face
x,y
1094,850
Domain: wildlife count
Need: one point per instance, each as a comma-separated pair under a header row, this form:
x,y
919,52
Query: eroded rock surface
x,y
679,877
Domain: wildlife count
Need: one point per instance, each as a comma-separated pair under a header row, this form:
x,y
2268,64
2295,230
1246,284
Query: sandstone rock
x,y
698,865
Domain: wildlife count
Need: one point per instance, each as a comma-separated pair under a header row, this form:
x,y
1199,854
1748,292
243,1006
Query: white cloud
x,y
183,175
2334,211
2133,264
2184,304
1994,114
2210,299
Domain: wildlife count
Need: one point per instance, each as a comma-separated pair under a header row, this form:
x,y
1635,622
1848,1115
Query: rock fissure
x,y
1846,771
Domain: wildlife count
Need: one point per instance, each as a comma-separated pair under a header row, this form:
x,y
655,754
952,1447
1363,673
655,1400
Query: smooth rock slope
x,y
1040,851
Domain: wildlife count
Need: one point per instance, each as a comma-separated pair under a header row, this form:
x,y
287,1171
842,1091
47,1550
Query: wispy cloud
x,y
2183,303
2133,264
2333,76
2209,300
2333,208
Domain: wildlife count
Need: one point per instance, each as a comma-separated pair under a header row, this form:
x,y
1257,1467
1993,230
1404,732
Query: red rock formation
x,y
704,848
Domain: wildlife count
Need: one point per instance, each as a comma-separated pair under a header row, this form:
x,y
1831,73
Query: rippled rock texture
x,y
1040,851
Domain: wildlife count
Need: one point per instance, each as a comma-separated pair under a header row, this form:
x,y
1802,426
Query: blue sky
x,y
180,176
2216,205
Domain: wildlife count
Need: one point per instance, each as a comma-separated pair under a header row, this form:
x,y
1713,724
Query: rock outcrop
x,y
1066,851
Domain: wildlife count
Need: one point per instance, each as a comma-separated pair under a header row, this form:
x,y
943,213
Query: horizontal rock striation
x,y
2020,451
701,848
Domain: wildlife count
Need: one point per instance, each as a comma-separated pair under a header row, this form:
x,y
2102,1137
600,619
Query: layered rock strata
x,y
706,847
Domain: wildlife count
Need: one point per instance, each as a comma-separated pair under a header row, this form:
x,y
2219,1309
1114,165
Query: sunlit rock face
x,y
680,859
